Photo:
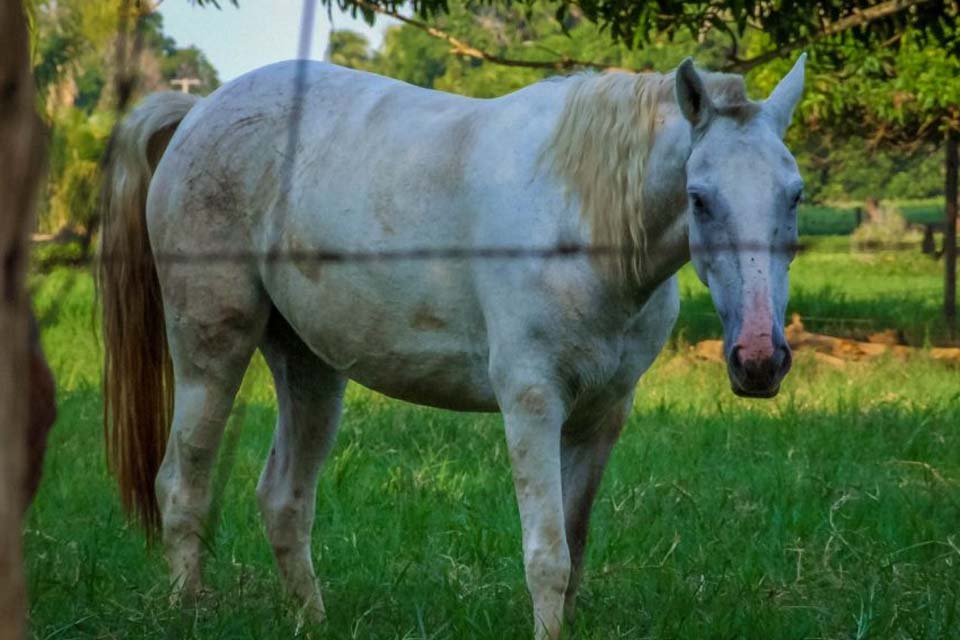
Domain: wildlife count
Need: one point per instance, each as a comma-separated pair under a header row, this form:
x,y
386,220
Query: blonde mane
x,y
600,147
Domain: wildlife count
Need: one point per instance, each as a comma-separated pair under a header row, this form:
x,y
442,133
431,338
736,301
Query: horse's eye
x,y
797,199
699,208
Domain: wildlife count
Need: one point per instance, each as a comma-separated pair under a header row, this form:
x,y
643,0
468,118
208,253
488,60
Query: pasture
x,y
830,512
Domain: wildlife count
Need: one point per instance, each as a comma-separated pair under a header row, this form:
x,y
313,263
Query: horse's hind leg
x,y
215,318
309,398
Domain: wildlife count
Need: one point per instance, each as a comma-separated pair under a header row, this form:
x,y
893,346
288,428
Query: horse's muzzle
x,y
758,377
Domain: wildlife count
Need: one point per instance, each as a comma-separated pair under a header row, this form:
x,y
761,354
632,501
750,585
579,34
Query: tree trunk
x,y
950,236
21,160
872,209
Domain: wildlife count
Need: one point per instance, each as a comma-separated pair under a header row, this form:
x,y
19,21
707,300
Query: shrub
x,y
74,202
888,231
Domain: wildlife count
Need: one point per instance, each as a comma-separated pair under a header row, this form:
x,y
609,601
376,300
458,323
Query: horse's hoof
x,y
187,595
311,614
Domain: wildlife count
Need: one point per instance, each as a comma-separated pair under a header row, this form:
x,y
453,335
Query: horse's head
x,y
744,188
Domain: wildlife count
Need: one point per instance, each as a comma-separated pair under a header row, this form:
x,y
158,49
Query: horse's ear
x,y
692,96
784,98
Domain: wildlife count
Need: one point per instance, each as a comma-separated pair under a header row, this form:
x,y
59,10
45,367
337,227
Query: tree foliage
x,y
904,96
787,25
839,163
75,51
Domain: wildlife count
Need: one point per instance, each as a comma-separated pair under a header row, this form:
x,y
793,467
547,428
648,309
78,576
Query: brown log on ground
x,y
21,161
710,350
835,351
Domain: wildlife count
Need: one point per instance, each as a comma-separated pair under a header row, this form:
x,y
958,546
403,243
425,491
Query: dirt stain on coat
x,y
425,319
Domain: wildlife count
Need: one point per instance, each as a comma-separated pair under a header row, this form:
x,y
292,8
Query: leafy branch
x,y
461,48
858,18
714,17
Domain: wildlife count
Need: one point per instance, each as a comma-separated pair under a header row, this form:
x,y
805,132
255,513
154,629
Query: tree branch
x,y
462,48
856,19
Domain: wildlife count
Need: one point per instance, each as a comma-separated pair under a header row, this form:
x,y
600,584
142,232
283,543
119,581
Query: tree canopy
x,y
786,25
885,71
839,163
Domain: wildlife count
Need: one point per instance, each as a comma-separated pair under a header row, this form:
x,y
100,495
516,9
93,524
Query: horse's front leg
x,y
534,415
584,453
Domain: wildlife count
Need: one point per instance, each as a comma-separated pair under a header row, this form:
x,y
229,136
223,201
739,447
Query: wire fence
x,y
456,253
130,43
129,46
386,258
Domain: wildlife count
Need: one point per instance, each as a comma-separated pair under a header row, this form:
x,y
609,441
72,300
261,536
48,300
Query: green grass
x,y
831,512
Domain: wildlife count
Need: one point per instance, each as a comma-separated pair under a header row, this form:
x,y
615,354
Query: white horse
x,y
664,167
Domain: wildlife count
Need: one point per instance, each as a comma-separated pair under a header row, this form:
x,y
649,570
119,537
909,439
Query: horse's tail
x,y
137,371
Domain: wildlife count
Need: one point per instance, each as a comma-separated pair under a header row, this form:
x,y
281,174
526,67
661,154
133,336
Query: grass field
x,y
831,512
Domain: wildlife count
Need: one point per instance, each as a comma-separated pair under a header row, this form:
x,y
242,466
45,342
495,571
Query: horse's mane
x,y
601,144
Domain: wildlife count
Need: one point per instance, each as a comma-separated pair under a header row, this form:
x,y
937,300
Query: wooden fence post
x,y
21,160
950,235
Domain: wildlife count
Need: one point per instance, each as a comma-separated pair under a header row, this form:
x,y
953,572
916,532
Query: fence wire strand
x,y
417,254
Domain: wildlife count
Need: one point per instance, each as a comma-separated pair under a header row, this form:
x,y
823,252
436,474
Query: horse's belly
x,y
409,331
444,371
451,380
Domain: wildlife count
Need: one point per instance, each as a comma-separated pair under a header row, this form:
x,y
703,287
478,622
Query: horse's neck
x,y
621,144
665,205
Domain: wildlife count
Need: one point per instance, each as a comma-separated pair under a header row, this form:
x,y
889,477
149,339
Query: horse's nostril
x,y
786,361
736,357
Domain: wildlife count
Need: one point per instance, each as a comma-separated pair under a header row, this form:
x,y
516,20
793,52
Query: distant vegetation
x,y
75,57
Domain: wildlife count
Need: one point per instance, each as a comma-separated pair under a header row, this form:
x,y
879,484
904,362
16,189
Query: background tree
x,y
21,156
74,51
349,49
905,98
787,25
